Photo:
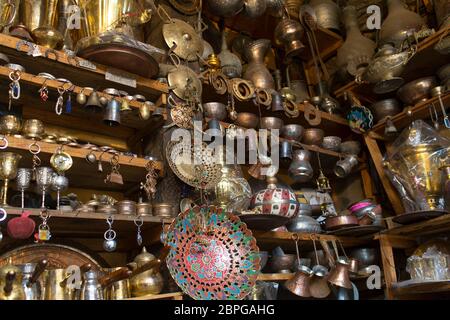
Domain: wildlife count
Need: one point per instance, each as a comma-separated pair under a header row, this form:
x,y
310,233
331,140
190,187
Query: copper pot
x,y
337,222
300,283
313,136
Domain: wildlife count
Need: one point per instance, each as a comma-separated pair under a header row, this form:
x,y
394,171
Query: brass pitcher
x,y
11,283
146,278
41,18
9,162
8,11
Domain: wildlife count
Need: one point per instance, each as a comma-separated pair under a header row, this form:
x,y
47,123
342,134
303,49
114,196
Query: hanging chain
x,y
14,87
139,221
150,180
35,149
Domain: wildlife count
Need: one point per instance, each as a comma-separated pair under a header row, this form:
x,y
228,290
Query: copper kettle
x,y
11,283
146,279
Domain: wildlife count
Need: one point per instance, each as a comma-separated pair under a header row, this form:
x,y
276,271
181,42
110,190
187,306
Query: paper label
x,y
121,78
87,64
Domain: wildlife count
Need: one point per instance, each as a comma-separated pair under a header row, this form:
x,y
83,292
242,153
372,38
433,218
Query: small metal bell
x,y
81,96
125,106
112,113
390,130
144,110
277,102
93,104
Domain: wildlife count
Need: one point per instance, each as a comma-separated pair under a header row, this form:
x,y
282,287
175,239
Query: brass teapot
x,y
146,279
11,283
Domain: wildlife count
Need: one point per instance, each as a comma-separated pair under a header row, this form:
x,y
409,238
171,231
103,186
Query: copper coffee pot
x,y
300,283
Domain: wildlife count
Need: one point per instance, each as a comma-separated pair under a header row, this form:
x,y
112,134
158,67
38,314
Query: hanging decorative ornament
x,y
360,118
288,34
61,161
231,64
138,222
222,262
323,184
110,243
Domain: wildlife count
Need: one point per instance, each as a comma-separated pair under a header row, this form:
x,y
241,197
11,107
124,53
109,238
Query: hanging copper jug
x,y
354,55
300,283
339,275
399,24
257,71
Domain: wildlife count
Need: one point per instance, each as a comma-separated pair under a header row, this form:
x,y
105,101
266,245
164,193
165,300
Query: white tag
x,y
87,64
121,78
36,51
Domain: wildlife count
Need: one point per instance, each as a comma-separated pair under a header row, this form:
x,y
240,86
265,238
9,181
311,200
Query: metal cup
x,y
44,179
285,150
344,167
23,181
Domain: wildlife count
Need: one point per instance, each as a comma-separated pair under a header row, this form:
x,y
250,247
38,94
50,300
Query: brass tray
x,y
58,256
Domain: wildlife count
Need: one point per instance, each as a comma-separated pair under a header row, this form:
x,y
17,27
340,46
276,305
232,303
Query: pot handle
x,y
9,282
327,251
37,272
121,274
154,264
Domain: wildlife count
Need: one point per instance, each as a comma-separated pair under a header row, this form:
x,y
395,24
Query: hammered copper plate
x,y
418,216
58,256
264,222
122,57
221,264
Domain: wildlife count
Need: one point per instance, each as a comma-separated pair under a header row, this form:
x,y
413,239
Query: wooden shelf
x,y
62,66
276,238
425,228
275,276
408,288
424,63
419,111
264,26
172,296
83,174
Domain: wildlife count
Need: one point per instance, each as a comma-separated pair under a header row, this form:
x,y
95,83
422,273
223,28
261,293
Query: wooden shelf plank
x,y
275,276
424,63
173,296
53,84
419,111
63,66
80,153
433,226
408,288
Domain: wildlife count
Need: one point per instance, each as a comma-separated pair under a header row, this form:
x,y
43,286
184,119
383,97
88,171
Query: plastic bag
x,y
431,266
414,167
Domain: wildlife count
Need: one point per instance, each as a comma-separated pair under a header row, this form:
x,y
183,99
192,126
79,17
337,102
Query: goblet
x,y
44,179
60,183
9,162
23,181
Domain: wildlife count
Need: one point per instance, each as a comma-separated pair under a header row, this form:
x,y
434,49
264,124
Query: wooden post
x,y
377,158
387,258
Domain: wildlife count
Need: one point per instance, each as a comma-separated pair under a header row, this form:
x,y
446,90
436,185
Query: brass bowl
x,y
215,110
247,120
48,37
33,129
10,124
332,143
164,210
313,136
271,123
292,132
417,90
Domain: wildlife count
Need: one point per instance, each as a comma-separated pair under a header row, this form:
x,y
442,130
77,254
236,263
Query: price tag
x,y
87,64
118,77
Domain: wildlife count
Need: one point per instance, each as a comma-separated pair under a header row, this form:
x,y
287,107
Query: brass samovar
x,y
415,165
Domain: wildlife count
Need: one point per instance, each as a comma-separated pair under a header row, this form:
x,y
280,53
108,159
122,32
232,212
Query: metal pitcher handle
x,y
11,4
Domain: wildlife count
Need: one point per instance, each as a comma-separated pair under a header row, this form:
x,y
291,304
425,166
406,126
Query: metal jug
x,y
91,289
300,169
30,282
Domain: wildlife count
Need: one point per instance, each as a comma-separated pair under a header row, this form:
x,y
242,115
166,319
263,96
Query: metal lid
x,y
144,257
139,97
112,92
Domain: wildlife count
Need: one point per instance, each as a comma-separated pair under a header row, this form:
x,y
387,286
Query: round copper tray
x,y
418,216
58,256
357,231
122,57
264,222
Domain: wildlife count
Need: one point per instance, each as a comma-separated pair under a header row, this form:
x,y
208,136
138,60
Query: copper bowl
x,y
342,221
271,123
10,124
313,136
247,120
417,90
282,264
